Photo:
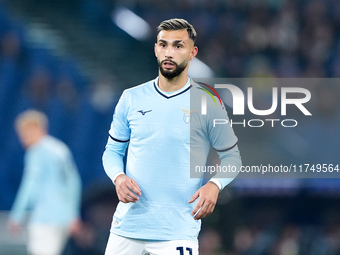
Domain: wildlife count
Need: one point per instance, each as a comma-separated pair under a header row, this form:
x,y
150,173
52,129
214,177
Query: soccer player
x,y
161,124
50,188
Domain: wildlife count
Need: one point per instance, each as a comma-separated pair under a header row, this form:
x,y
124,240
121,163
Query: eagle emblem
x,y
187,115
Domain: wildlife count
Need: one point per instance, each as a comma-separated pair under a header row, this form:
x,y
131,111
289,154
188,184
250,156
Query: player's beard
x,y
170,74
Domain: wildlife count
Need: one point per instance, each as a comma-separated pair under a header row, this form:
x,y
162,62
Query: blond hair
x,y
32,116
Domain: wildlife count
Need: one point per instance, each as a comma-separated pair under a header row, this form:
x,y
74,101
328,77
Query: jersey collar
x,y
169,95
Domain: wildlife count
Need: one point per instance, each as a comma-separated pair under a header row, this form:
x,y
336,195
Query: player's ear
x,y
155,49
194,52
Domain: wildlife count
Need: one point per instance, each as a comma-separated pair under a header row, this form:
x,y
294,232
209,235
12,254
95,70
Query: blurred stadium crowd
x,y
236,38
283,38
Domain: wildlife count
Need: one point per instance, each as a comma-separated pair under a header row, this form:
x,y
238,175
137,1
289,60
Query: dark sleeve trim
x,y
117,140
227,149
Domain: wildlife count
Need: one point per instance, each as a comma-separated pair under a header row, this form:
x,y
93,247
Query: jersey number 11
x,y
181,250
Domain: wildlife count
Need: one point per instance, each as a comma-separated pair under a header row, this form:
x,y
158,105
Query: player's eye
x,y
178,46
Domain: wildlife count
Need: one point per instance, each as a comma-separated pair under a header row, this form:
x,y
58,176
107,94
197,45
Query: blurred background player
x,y
50,187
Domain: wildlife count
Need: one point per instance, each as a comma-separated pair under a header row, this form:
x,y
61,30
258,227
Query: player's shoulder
x,y
47,148
195,84
201,90
55,145
199,84
139,89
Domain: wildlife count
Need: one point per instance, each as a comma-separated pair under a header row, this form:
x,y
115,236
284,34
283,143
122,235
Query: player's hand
x,y
76,226
14,228
127,189
207,197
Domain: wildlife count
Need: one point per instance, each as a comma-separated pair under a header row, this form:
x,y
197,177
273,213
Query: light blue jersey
x,y
50,187
155,126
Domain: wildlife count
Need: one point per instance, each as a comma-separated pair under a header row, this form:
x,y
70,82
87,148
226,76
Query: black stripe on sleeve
x,y
227,149
117,140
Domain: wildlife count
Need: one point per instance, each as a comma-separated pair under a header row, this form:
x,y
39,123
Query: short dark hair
x,y
178,24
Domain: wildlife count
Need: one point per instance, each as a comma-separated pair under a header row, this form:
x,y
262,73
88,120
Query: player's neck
x,y
35,139
176,83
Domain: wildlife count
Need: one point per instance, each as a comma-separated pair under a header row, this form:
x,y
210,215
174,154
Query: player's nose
x,y
169,52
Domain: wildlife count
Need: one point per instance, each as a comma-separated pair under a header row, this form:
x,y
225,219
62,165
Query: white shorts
x,y
118,245
47,239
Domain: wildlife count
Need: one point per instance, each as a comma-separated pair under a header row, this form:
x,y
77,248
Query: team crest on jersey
x,y
187,115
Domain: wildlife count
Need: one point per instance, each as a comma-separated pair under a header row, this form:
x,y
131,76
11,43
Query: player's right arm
x,y
115,150
28,190
126,188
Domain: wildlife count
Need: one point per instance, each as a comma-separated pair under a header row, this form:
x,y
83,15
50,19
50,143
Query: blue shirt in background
x,y
50,187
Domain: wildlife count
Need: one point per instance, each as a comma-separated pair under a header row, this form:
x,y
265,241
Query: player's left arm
x,y
230,160
74,186
224,140
207,197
